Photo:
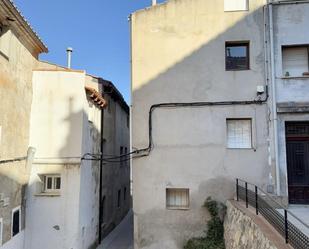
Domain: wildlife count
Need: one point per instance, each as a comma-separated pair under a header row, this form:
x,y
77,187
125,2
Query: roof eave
x,y
23,26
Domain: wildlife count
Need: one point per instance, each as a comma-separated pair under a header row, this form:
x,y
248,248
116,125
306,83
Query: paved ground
x,y
121,237
302,213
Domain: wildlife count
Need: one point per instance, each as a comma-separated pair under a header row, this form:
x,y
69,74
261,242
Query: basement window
x,y
236,5
177,198
16,221
239,133
52,183
237,56
295,61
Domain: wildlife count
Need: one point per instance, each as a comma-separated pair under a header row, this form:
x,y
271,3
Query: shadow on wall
x,y
177,159
199,76
71,218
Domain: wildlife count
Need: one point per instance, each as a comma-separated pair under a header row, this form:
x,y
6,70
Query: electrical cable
x,y
148,149
17,159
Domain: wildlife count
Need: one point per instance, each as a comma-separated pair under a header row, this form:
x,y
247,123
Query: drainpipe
x,y
274,98
101,174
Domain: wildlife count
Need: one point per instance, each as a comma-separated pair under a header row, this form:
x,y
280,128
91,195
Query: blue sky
x,y
98,31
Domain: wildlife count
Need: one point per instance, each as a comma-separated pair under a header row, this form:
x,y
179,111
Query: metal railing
x,y
278,216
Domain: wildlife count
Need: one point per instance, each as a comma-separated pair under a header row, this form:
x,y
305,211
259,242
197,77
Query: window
x,y
295,61
236,5
52,183
16,221
177,198
119,196
239,133
236,56
1,231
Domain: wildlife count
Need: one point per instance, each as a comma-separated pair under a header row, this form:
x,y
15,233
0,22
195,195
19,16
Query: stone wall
x,y
243,229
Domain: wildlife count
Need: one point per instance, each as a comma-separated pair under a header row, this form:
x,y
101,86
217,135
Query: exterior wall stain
x,y
178,55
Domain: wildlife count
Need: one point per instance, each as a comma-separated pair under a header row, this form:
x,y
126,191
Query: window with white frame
x,y
177,198
236,5
52,183
295,61
239,133
16,221
1,231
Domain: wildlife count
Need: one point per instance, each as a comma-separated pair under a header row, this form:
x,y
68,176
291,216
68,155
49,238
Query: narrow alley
x,y
121,237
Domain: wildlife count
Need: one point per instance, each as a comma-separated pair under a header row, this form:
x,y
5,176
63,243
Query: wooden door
x,y
297,147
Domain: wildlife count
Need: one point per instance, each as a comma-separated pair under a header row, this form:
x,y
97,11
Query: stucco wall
x,y
116,134
62,135
290,28
15,95
53,218
58,109
178,55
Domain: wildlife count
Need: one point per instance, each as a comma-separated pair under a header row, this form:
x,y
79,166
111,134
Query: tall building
x,y
20,47
200,112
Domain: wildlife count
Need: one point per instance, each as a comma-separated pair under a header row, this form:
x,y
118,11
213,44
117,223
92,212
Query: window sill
x,y
240,10
241,148
52,194
178,208
236,70
295,77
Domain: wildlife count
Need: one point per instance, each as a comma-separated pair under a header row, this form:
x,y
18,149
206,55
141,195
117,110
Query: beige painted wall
x,y
16,64
178,55
58,106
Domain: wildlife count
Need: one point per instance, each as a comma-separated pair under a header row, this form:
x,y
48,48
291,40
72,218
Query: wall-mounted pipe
x,y
274,98
69,54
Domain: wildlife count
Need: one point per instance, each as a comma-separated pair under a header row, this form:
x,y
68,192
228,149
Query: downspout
x,y
274,97
131,108
101,174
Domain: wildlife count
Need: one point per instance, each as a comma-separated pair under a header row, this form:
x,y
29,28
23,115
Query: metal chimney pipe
x,y
154,2
69,52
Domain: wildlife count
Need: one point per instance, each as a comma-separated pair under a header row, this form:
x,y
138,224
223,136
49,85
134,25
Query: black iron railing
x,y
285,222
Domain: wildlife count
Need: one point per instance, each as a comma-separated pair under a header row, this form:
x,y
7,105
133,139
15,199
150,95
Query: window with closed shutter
x,y
295,61
239,133
177,198
236,5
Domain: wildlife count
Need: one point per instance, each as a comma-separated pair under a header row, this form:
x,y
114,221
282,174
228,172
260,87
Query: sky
x,y
97,30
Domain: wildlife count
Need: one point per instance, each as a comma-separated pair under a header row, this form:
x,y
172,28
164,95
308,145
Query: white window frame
x,y
228,145
1,231
53,189
19,221
178,207
228,5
